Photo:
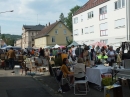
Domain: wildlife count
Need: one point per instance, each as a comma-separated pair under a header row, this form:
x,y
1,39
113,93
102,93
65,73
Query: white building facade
x,y
18,43
104,21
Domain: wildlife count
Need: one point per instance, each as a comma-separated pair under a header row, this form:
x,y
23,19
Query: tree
x,y
2,36
62,18
69,42
68,19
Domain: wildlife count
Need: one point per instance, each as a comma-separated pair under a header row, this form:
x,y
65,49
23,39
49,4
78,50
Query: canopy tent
x,y
6,47
98,44
73,43
47,47
56,46
14,47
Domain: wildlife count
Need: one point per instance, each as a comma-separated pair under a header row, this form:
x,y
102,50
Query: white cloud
x,y
27,12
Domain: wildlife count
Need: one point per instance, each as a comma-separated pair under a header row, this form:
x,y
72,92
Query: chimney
x,y
49,23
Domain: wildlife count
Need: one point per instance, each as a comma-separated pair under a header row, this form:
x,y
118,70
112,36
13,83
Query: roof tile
x,y
46,29
90,4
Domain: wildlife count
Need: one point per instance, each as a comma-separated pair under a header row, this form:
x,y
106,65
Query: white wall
x,y
112,15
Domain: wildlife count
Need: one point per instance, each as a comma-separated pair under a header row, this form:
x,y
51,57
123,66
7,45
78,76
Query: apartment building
x,y
106,21
29,32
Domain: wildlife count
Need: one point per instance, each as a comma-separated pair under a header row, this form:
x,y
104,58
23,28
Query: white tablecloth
x,y
94,73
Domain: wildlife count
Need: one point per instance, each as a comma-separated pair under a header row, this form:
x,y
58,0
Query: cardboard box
x,y
124,82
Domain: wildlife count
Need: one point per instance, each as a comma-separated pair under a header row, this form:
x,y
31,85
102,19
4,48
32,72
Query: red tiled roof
x,y
90,4
46,30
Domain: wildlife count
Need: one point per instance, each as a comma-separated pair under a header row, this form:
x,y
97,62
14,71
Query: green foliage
x,y
106,81
68,19
10,39
69,42
62,18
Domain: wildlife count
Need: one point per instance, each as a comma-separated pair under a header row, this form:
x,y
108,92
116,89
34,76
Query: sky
x,y
32,12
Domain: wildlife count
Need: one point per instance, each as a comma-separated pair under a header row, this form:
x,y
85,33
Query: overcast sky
x,y
32,12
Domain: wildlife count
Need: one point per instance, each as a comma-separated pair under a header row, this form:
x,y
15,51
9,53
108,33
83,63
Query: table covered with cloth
x,y
94,73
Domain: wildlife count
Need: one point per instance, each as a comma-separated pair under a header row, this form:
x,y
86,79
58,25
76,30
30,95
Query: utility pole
x,y
0,26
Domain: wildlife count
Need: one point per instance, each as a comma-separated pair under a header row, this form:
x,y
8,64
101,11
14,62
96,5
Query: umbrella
x,y
98,44
73,43
62,46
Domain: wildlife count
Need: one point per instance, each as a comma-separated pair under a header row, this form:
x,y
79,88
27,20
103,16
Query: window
x,y
81,18
90,15
60,25
82,31
64,31
75,20
119,4
32,45
53,39
105,41
103,10
56,31
103,13
91,29
120,23
32,39
86,30
76,32
116,5
123,3
103,29
67,38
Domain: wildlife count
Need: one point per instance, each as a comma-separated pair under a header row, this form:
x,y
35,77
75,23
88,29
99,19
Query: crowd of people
x,y
93,55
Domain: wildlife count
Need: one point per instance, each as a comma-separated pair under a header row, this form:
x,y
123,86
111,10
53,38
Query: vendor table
x,y
94,73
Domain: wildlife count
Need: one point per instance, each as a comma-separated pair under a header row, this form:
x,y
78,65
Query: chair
x,y
80,75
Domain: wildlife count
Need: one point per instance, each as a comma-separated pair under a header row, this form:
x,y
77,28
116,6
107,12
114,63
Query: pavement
x,y
41,85
12,85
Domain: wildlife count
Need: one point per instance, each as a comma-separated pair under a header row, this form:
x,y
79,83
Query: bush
x,y
106,81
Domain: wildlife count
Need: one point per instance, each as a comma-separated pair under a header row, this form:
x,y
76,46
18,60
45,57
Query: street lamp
x,y
0,26
7,11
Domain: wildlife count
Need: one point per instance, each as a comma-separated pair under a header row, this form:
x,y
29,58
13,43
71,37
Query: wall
x,y
60,38
19,43
40,42
114,35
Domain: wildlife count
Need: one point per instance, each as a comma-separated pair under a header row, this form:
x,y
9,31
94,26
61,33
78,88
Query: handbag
x,y
65,87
